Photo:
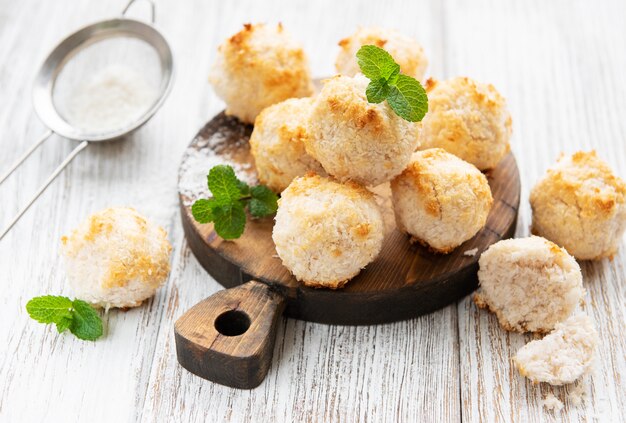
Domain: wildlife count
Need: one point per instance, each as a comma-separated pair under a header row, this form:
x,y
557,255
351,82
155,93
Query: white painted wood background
x,y
562,66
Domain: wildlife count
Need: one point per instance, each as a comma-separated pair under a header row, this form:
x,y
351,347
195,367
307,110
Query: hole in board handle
x,y
232,323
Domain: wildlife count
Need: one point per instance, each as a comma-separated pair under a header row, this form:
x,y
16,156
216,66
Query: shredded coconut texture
x,y
116,258
562,356
110,100
440,200
581,204
530,283
326,232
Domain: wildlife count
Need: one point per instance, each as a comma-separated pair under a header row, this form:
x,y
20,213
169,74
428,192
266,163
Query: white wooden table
x,y
562,66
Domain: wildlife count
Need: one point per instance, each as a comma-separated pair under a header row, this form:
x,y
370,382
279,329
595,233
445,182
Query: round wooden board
x,y
405,280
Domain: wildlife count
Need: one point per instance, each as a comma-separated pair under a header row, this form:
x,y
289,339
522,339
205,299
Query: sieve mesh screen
x,y
108,85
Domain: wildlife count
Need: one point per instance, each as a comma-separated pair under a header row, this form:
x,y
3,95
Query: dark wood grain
x,y
229,337
405,280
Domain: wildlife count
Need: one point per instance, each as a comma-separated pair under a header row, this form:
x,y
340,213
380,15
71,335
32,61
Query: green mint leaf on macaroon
x,y
231,196
376,63
408,99
78,316
377,91
404,94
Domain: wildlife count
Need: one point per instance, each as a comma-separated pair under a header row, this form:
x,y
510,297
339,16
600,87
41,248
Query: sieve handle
x,y
152,9
45,185
24,156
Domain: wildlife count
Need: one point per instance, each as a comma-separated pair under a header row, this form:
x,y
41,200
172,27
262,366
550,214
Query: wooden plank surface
x,y
561,66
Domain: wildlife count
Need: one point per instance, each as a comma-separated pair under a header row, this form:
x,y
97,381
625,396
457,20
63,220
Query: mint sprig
x,y
405,95
78,316
231,196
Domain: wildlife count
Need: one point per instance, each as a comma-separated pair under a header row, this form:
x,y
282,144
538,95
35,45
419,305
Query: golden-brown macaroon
x,y
259,66
277,143
357,140
530,283
407,52
116,258
581,205
467,119
325,231
440,200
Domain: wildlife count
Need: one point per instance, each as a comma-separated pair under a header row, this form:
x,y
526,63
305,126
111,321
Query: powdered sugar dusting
x,y
196,163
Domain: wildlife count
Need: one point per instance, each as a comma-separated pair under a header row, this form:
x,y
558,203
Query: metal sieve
x,y
127,46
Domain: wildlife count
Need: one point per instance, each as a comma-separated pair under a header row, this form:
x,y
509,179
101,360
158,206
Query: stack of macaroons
x,y
439,199
329,227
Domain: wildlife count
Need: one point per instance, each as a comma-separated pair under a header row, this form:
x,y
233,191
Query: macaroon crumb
x,y
470,253
552,403
577,395
562,356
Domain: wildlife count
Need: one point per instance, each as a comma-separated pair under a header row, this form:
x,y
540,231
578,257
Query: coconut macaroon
x,y
467,119
116,258
405,51
277,143
530,283
357,140
581,205
562,356
440,200
257,67
326,232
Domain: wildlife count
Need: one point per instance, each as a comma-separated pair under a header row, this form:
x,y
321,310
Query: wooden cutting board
x,y
228,337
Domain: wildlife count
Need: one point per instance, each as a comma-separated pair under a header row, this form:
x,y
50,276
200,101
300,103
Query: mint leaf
x,y
230,220
202,210
376,63
244,189
264,202
63,324
86,324
226,209
49,308
377,91
405,95
408,99
77,316
223,184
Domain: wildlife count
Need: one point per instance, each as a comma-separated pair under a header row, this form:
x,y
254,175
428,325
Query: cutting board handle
x,y
228,338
